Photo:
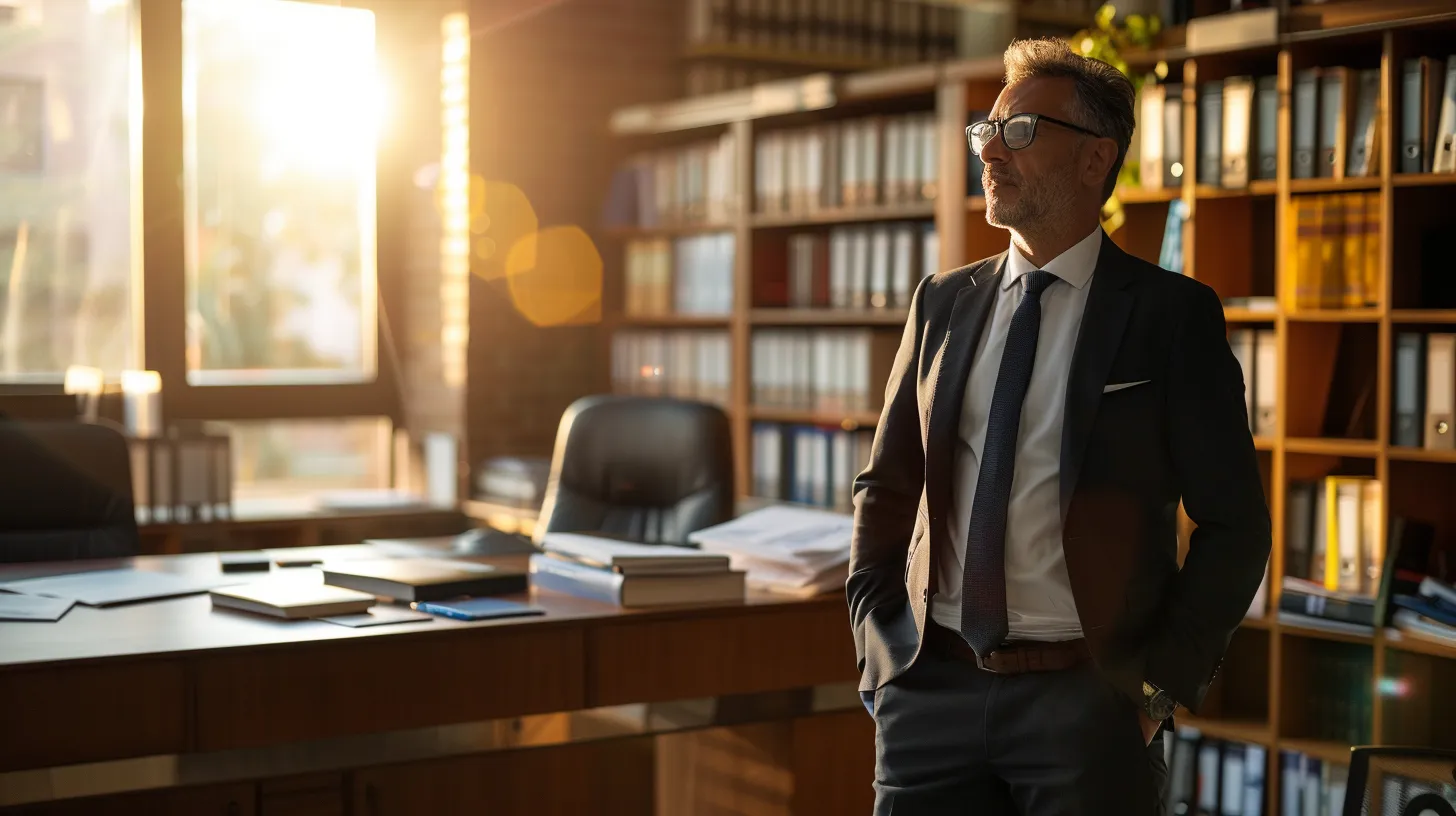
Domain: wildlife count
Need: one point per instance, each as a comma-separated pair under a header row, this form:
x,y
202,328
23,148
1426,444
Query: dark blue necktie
x,y
983,585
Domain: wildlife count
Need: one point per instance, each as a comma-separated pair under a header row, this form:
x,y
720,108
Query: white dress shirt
x,y
1039,604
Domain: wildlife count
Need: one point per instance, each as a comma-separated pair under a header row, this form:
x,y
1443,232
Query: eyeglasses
x,y
1017,131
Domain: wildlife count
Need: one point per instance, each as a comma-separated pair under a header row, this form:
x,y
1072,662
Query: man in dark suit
x,y
1023,628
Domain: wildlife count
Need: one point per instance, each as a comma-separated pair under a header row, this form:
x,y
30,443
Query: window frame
x,y
161,232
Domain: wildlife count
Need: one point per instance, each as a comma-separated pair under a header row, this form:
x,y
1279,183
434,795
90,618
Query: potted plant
x,y
1107,40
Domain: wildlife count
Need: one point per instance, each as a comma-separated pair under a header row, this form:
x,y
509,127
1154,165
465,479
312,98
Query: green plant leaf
x,y
1137,27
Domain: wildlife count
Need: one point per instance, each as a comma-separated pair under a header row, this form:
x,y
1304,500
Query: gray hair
x,y
1102,97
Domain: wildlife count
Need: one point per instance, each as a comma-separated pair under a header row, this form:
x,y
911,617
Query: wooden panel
x,y
1234,250
1314,347
533,70
1240,690
235,799
256,698
1142,234
950,222
745,770
834,763
314,795
1323,689
718,653
1422,491
612,776
982,239
91,713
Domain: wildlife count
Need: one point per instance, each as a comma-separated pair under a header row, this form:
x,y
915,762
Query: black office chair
x,y
640,468
65,492
1406,782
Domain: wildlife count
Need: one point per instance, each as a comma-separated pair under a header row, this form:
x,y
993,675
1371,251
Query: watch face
x,y
1160,706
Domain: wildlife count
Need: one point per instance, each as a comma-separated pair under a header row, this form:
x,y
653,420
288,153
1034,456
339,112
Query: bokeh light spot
x,y
500,216
555,277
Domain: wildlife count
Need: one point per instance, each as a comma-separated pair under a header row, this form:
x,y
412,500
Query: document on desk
x,y
797,550
785,532
33,608
379,615
118,586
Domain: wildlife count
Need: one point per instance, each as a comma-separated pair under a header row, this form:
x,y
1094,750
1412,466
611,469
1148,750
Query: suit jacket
x,y
1128,456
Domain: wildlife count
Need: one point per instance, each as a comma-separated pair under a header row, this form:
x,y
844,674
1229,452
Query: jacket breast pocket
x,y
1129,386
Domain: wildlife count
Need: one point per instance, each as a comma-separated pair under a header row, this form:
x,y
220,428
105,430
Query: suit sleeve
x,y
887,492
1218,473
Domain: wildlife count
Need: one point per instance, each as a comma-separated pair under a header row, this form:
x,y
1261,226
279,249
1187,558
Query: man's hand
x,y
1149,726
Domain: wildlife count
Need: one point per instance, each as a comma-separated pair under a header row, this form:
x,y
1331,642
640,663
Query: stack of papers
x,y
33,608
632,558
796,550
118,586
630,574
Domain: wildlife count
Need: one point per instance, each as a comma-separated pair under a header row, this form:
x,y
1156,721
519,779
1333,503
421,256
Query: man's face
x,y
1037,184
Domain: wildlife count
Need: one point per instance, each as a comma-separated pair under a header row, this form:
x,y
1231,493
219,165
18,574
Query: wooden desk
x,y
382,720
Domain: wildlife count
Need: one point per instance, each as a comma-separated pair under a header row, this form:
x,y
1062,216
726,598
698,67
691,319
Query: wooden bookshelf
x,y
1323,750
669,321
1332,447
1423,179
1260,187
1333,315
1233,314
1237,241
827,317
1144,195
1333,185
1423,316
788,416
847,215
806,60
666,230
1256,732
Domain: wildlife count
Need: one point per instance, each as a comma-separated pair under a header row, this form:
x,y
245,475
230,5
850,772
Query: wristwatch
x,y
1157,703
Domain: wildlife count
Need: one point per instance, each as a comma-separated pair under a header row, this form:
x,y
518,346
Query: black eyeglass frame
x,y
1036,119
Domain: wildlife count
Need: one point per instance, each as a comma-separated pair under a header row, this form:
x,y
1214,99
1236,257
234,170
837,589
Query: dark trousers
x,y
951,738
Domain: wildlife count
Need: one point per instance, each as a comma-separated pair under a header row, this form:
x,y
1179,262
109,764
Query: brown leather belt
x,y
1017,657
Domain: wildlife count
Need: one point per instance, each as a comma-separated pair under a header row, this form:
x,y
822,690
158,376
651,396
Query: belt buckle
x,y
984,663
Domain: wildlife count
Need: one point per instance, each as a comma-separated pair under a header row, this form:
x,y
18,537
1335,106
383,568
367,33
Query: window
x,y
281,113
68,251
292,458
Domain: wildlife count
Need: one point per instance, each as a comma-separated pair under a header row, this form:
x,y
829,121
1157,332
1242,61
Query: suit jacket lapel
x,y
1103,321
968,318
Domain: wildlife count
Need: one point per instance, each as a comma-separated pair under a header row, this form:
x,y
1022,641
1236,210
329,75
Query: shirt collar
x,y
1074,266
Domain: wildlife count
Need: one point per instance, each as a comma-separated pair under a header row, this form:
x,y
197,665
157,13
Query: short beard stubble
x,y
1036,207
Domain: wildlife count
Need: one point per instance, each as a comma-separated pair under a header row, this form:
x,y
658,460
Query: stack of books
x,y
800,551
633,575
1312,604
1429,613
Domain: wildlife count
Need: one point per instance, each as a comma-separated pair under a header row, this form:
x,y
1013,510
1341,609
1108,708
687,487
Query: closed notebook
x,y
584,581
425,579
292,599
472,609
633,558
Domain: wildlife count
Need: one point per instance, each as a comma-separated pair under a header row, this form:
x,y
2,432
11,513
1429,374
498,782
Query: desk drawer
x,y
62,715
720,651
370,684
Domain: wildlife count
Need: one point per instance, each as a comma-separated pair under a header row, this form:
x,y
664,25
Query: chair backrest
x,y
65,492
1405,781
643,468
